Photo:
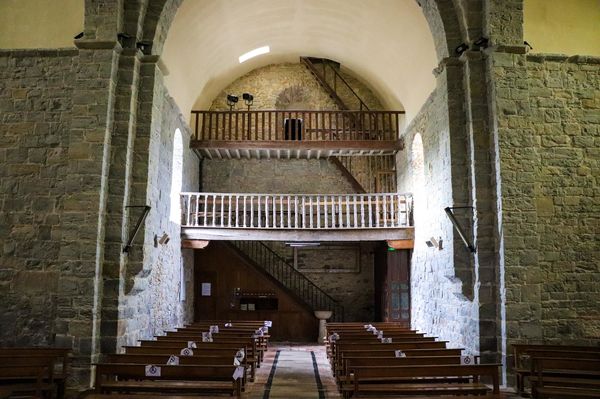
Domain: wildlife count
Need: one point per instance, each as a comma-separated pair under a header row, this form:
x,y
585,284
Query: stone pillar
x,y
84,211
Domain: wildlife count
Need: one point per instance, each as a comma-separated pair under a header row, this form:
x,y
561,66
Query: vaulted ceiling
x,y
386,42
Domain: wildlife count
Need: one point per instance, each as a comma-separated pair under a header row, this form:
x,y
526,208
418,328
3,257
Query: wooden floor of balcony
x,y
280,149
247,234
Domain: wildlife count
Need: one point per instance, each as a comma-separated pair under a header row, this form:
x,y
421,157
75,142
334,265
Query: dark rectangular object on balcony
x,y
292,128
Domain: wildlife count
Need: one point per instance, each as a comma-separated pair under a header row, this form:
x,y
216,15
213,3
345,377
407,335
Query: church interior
x,y
299,199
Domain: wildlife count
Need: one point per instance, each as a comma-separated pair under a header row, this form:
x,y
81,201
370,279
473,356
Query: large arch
x,y
401,73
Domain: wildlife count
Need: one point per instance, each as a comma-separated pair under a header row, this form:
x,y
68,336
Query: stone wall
x,y
155,301
290,86
36,103
547,110
438,306
289,176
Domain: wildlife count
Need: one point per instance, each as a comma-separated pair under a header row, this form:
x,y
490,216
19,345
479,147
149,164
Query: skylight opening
x,y
254,53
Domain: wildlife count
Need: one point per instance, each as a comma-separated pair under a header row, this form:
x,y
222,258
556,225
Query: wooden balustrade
x,y
298,212
270,125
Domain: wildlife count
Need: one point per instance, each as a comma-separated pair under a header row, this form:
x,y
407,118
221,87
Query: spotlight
x,y
231,101
145,46
433,243
248,99
482,42
461,48
79,35
528,45
164,239
126,40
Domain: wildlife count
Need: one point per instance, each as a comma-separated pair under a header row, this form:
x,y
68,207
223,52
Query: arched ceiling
x,y
386,42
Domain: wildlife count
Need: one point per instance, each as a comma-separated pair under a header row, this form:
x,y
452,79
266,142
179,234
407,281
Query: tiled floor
x,y
295,378
294,375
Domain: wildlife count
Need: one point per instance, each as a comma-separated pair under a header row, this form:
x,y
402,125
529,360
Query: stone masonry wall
x,y
35,121
547,110
155,302
438,306
289,176
271,85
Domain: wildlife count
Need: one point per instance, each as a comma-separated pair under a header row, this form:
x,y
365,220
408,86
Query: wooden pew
x,y
198,358
565,377
405,380
190,379
523,353
28,376
250,344
340,347
345,378
349,362
206,348
59,357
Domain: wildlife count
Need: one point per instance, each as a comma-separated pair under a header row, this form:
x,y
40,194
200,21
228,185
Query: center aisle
x,y
294,371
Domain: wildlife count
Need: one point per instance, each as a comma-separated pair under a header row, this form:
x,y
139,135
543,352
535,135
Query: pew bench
x,y
27,376
203,349
524,353
349,363
565,378
28,363
371,381
197,359
182,379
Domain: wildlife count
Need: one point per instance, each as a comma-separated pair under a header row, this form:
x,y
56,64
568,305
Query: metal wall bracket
x,y
147,208
458,228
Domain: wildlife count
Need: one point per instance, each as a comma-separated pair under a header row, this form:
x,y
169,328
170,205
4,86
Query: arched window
x,y
417,166
417,162
176,177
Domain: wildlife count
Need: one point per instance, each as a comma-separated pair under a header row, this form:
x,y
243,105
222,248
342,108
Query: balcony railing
x,y
296,212
296,125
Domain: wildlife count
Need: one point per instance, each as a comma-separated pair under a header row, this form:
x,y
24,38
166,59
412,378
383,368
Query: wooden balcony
x,y
295,134
301,217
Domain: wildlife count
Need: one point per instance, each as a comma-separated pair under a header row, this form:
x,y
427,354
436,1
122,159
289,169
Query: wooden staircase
x,y
370,174
264,258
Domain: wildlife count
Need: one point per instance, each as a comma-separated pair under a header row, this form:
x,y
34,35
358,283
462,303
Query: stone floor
x,y
294,375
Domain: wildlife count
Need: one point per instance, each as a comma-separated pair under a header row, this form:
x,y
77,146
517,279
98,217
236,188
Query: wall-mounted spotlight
x,y
78,36
145,46
461,48
433,243
164,239
527,45
231,101
248,99
482,42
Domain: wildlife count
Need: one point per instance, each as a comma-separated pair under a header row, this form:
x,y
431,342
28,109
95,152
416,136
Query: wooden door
x,y
398,286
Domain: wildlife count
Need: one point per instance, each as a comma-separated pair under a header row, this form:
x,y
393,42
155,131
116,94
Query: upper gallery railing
x,y
296,125
299,212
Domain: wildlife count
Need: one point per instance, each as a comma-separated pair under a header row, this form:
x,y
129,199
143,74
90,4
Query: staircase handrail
x,y
328,300
326,63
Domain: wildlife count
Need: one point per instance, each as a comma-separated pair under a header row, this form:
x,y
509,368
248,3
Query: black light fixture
x,y
231,101
482,42
461,48
79,35
528,45
145,46
248,99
